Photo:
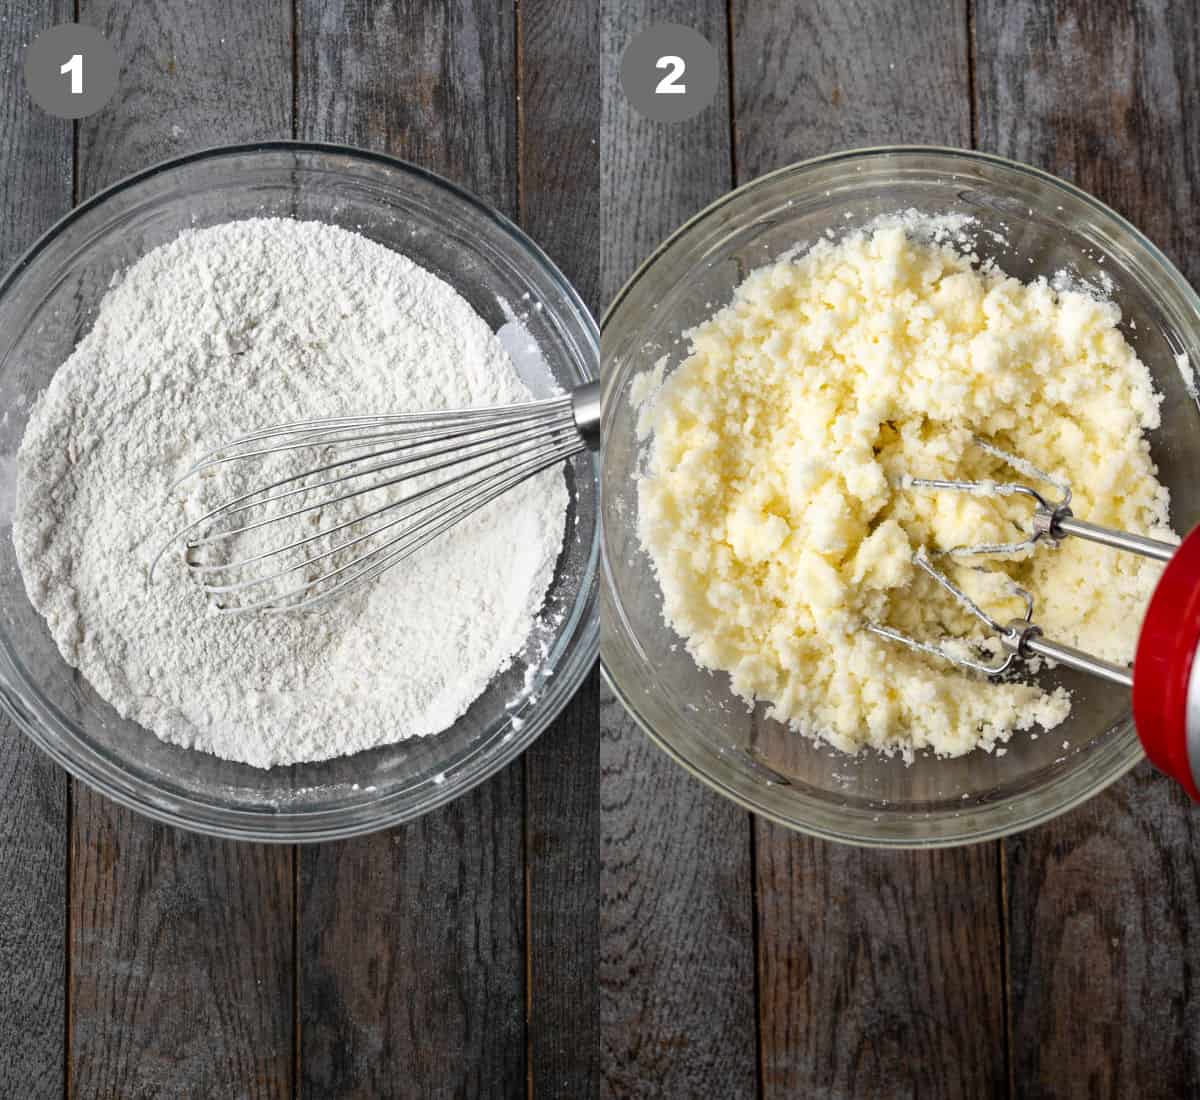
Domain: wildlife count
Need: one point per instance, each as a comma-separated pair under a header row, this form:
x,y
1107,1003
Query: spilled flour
x,y
217,333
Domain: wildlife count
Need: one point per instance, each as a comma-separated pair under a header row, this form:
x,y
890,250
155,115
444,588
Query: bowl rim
x,y
1132,757
35,718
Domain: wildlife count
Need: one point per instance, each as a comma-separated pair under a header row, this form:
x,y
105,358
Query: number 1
x,y
75,68
668,85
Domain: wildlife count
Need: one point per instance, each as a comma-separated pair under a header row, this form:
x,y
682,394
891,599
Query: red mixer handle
x,y
1166,675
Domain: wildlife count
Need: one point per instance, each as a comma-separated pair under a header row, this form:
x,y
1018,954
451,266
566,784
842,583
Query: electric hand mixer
x,y
1165,677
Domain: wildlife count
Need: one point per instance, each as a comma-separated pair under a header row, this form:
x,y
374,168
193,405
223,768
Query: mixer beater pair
x,y
1050,523
1165,677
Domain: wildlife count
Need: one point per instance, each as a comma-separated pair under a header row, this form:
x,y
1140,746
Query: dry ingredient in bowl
x,y
771,503
217,333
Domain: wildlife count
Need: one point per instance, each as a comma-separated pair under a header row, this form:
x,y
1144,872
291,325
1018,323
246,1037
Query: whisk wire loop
x,y
429,470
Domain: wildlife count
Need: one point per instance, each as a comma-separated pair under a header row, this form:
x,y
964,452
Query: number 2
x,y
668,85
75,68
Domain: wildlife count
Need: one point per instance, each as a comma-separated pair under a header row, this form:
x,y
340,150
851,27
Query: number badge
x,y
669,72
71,70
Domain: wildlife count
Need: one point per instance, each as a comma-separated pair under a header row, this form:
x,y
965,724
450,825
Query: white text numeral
x,y
668,85
75,68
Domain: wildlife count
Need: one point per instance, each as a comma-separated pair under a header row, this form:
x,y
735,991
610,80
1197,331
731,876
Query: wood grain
x,y
562,853
411,956
559,91
559,114
867,958
33,791
433,83
192,75
676,926
181,963
836,74
1104,903
880,971
412,942
653,177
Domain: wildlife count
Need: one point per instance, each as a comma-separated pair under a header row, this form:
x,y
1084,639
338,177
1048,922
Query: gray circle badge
x,y
71,70
669,72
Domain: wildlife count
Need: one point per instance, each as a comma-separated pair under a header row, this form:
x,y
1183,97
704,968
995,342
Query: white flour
x,y
219,332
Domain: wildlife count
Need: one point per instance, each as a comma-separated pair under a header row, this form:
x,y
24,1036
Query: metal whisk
x,y
1049,522
316,533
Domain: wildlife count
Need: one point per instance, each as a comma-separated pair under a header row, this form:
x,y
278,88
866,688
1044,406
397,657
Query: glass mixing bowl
x,y
1044,226
48,302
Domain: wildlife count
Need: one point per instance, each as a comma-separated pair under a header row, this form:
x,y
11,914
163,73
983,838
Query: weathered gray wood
x,y
562,773
33,791
433,83
560,132
676,927
181,964
192,76
653,177
881,974
677,1007
559,112
411,956
827,75
412,942
1104,903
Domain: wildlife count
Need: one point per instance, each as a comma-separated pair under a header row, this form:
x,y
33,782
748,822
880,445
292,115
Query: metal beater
x,y
1050,522
1165,677
434,468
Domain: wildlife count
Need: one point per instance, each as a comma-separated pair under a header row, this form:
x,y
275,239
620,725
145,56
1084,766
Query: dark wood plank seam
x,y
519,116
733,158
760,1060
755,946
69,816
296,1028
1006,968
296,132
971,110
528,917
69,847
1001,861
526,870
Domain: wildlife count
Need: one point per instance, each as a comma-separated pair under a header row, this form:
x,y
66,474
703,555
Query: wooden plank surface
x,y
879,974
33,791
1104,903
181,946
433,83
559,120
866,958
838,74
676,929
412,942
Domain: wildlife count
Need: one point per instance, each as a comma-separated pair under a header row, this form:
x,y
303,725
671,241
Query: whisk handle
x,y
585,403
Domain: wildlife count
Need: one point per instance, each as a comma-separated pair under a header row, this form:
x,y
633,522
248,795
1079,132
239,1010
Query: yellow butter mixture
x,y
773,505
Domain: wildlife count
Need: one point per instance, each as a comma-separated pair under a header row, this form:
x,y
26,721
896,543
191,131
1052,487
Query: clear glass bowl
x,y
1048,226
48,301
